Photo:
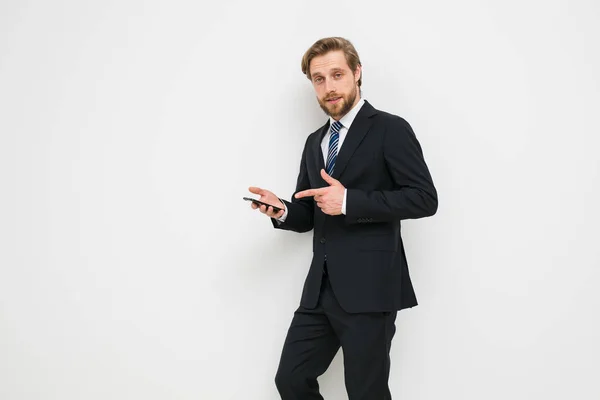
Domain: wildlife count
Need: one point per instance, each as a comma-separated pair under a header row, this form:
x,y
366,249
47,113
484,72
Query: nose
x,y
329,86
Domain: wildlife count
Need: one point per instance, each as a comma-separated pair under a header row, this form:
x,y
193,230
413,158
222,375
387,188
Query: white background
x,y
130,267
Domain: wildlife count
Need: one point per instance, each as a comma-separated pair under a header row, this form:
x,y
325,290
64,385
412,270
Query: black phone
x,y
260,203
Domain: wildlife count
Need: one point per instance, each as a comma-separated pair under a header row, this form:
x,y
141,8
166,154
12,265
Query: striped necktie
x,y
333,146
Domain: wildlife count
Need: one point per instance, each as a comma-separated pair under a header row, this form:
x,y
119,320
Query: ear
x,y
357,73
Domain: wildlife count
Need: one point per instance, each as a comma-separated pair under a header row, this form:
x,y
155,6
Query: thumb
x,y
328,178
256,190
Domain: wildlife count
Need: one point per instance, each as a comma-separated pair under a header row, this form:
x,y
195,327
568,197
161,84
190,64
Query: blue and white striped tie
x,y
333,146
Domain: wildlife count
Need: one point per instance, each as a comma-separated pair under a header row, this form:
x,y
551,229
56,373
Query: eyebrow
x,y
333,70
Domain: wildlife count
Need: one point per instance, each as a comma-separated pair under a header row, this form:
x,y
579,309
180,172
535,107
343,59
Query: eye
x,y
338,75
318,79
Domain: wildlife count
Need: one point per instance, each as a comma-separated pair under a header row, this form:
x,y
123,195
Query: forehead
x,y
328,61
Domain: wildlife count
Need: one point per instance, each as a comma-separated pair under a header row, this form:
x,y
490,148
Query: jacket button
x,y
322,240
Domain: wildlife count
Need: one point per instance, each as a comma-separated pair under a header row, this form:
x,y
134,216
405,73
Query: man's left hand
x,y
329,199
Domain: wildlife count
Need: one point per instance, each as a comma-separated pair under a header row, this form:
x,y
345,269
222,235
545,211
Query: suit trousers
x,y
314,338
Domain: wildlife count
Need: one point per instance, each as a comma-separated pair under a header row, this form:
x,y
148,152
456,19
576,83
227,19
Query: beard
x,y
341,108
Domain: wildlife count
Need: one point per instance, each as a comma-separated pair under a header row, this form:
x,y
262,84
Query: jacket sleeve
x,y
300,217
413,196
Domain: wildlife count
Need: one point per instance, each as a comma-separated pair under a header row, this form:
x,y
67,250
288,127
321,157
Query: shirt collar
x,y
347,119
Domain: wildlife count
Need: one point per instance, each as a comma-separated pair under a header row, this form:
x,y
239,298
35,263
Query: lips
x,y
333,100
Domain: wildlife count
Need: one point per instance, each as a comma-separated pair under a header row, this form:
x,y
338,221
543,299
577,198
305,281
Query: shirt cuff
x,y
285,213
344,202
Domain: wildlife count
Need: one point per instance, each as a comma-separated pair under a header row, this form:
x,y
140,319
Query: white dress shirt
x,y
346,122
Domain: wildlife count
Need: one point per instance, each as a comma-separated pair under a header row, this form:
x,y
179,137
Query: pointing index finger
x,y
308,193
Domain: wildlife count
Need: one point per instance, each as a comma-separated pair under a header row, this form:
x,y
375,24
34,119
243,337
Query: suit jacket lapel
x,y
359,128
317,151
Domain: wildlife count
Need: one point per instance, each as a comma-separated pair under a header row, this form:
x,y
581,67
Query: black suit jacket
x,y
381,164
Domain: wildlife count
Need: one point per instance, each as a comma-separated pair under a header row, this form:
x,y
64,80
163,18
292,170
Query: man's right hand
x,y
269,198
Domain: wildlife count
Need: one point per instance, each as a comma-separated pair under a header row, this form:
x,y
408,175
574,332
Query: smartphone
x,y
260,203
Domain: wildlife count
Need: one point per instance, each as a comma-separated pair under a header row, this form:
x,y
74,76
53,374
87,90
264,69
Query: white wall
x,y
130,267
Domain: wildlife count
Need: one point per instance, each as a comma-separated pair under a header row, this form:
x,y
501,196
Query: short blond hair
x,y
324,46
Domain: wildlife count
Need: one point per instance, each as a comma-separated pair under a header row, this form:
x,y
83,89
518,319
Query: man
x,y
360,175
